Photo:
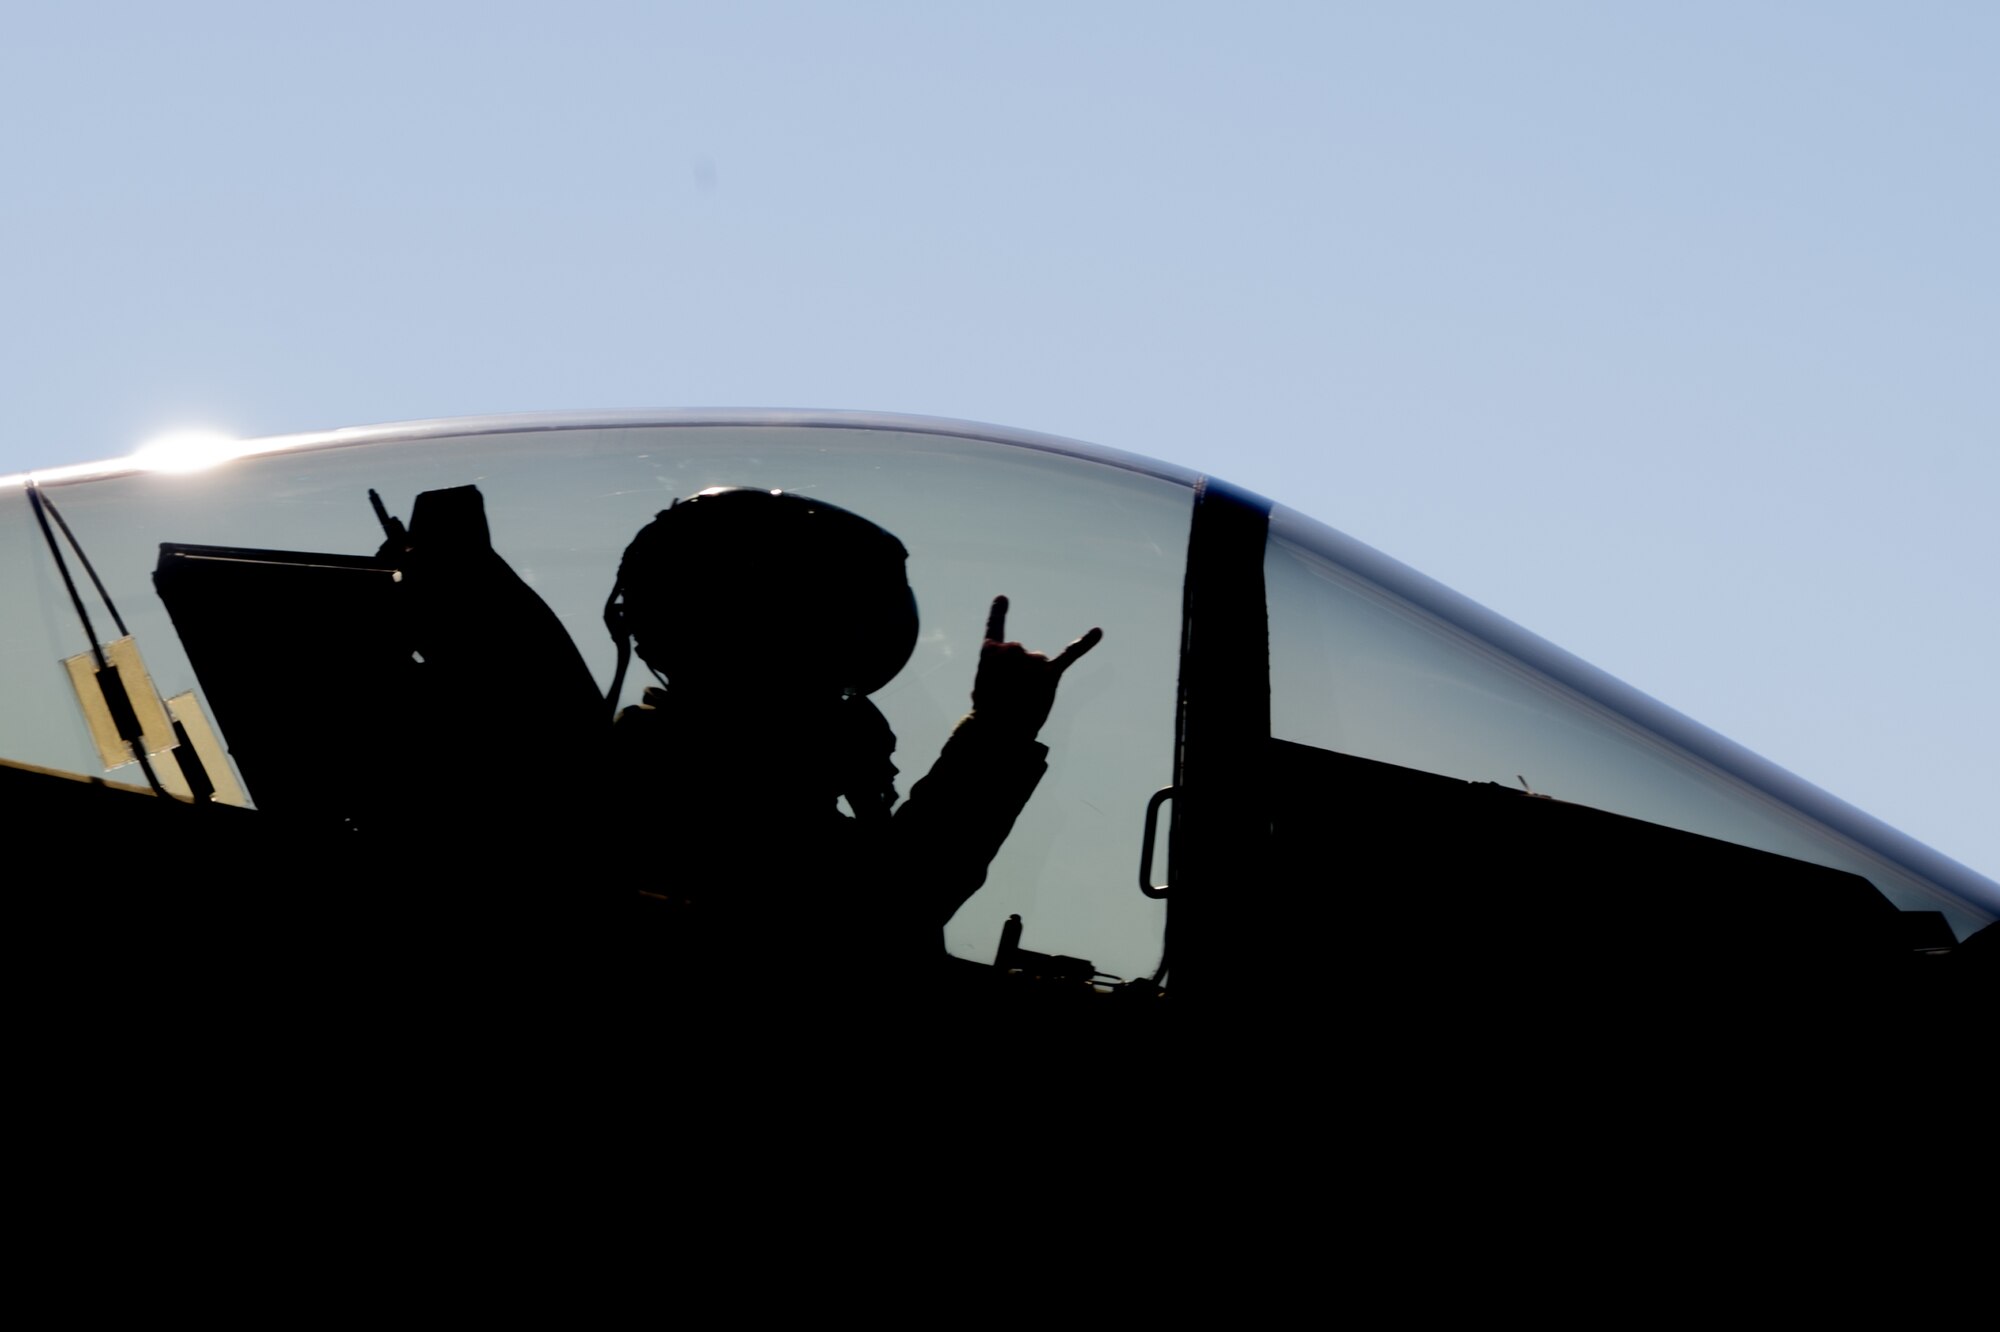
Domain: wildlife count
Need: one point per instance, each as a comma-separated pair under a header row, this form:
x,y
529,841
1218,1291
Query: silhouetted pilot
x,y
770,618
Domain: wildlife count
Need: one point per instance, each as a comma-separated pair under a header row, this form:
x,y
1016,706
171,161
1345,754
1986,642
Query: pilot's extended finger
x,y
996,621
1067,657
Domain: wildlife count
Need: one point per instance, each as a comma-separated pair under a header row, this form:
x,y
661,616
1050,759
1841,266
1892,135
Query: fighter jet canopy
x,y
1362,658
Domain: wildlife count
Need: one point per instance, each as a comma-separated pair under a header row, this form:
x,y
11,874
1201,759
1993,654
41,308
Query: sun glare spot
x,y
185,451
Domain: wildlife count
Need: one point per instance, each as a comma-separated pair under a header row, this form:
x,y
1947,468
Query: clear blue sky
x,y
1670,330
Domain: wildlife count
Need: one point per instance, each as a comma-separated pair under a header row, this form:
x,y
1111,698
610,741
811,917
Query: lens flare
x,y
185,451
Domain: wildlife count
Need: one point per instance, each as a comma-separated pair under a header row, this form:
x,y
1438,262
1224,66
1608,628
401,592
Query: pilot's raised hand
x,y
1015,688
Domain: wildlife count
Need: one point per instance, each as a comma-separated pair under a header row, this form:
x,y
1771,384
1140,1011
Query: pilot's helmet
x,y
754,588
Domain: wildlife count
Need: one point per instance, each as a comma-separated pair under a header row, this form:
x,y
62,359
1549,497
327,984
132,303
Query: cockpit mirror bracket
x,y
1146,841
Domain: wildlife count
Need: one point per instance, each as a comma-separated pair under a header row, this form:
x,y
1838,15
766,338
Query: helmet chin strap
x,y
869,777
